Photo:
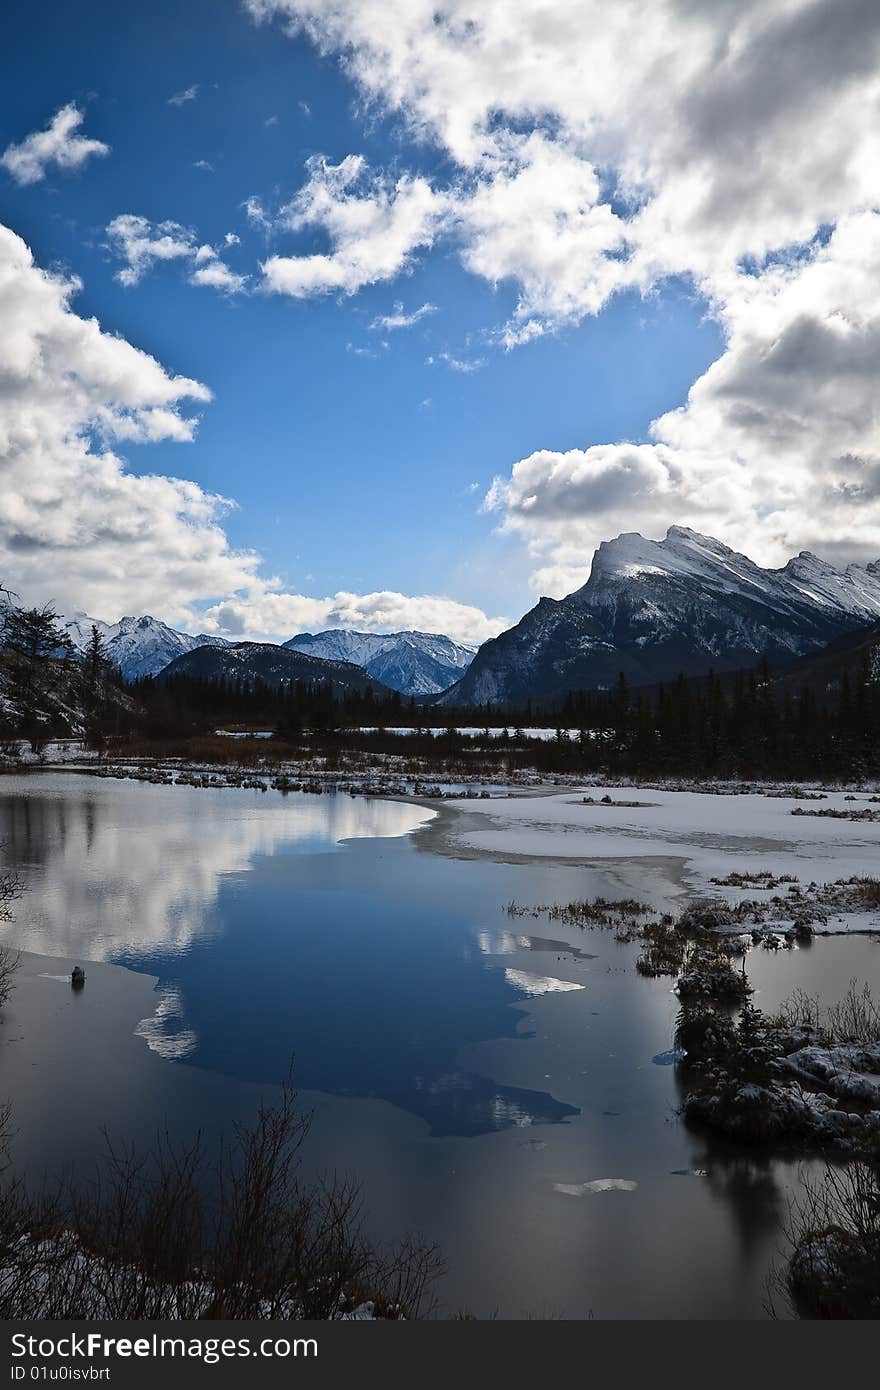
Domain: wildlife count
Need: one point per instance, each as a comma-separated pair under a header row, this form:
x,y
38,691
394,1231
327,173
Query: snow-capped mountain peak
x,y
684,604
415,663
138,646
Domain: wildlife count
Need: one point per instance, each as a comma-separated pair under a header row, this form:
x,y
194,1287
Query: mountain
x,y
654,609
263,661
415,663
138,646
856,655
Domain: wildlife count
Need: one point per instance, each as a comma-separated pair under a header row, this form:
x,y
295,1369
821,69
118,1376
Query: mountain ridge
x,y
412,662
272,664
138,646
654,609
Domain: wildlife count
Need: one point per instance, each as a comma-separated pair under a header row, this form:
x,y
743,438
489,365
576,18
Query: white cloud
x,y
399,318
188,94
205,165
726,128
465,365
256,213
78,529
777,448
141,243
596,148
217,275
59,145
262,610
75,526
374,224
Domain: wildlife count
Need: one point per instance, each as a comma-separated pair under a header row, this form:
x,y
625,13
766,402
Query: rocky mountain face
x,y
415,663
138,646
263,661
654,609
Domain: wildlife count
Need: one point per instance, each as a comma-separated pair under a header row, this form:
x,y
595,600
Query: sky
x,y
384,313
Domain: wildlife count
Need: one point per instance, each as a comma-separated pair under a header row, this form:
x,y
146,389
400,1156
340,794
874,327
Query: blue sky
x,y
357,463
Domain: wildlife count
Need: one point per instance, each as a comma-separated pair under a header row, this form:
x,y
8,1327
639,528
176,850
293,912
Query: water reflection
x,y
117,870
269,947
410,1008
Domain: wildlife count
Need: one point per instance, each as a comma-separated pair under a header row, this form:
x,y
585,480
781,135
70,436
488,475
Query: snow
x,y
848,1071
580,1189
415,663
468,731
139,646
712,834
654,608
686,554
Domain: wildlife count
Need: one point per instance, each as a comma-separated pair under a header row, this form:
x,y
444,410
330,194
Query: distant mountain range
x,y
138,646
273,665
654,609
415,663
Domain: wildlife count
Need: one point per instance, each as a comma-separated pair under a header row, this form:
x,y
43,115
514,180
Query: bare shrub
x,y
854,1019
833,1271
799,1010
169,1234
10,889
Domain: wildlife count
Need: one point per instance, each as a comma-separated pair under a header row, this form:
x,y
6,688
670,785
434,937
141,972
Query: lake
x,y
497,1083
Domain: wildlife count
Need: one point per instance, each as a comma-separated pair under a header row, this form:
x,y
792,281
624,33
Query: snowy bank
x,y
712,836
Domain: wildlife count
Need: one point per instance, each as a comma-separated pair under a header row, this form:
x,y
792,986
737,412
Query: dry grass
x,y
665,946
764,880
867,891
587,912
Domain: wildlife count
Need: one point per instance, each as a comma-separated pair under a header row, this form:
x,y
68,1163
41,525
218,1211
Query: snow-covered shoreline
x,y
708,836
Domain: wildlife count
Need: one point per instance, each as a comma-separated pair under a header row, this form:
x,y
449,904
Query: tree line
x,y
749,724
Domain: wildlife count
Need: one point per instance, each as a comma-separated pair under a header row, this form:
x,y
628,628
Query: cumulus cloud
x,y
210,270
262,610
723,129
596,148
141,244
59,146
75,525
78,528
776,449
374,224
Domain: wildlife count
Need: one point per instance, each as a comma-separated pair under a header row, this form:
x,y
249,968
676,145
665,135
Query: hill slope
x,y
274,666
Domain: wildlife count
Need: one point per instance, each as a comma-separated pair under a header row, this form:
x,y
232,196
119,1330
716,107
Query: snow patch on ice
x,y
580,1189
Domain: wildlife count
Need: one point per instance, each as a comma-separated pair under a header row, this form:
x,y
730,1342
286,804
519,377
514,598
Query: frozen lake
x,y
497,1084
